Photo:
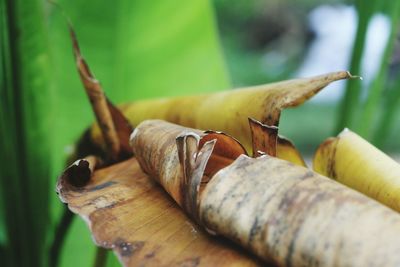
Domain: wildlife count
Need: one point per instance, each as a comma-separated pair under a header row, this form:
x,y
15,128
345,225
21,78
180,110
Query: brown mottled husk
x,y
294,217
160,147
115,128
128,212
284,213
77,174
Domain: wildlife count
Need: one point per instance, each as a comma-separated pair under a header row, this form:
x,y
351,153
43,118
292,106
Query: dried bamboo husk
x,y
285,214
128,212
229,110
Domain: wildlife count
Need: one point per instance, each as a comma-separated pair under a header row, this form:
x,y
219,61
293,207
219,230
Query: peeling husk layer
x,y
160,146
128,212
295,217
283,213
229,111
351,160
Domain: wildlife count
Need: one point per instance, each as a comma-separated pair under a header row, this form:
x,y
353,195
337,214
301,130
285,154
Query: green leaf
x,y
169,48
26,133
78,248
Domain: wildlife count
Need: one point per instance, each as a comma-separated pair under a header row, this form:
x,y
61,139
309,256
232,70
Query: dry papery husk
x,y
129,212
126,210
229,110
353,161
114,128
285,214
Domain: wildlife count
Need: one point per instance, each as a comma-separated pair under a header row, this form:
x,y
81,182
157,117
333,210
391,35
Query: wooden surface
x,y
127,212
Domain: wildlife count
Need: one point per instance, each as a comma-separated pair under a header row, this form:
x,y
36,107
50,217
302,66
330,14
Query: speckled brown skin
x,y
294,217
284,213
176,157
126,211
115,128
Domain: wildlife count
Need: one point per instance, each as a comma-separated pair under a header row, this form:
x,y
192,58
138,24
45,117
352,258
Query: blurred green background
x,y
142,49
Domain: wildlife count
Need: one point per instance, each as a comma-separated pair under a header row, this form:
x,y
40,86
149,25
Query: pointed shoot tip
x,y
351,76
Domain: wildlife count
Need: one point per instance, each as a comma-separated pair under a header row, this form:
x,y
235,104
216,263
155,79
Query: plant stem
x,y
60,235
101,257
17,223
25,133
375,92
353,89
385,124
98,101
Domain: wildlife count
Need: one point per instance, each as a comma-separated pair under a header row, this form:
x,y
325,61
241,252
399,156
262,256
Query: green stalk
x,y
25,135
101,257
60,235
351,98
385,123
375,92
9,157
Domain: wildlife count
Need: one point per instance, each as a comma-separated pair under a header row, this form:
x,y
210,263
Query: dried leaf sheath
x,y
78,174
114,127
265,140
282,212
351,160
295,217
160,155
286,150
229,111
128,212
